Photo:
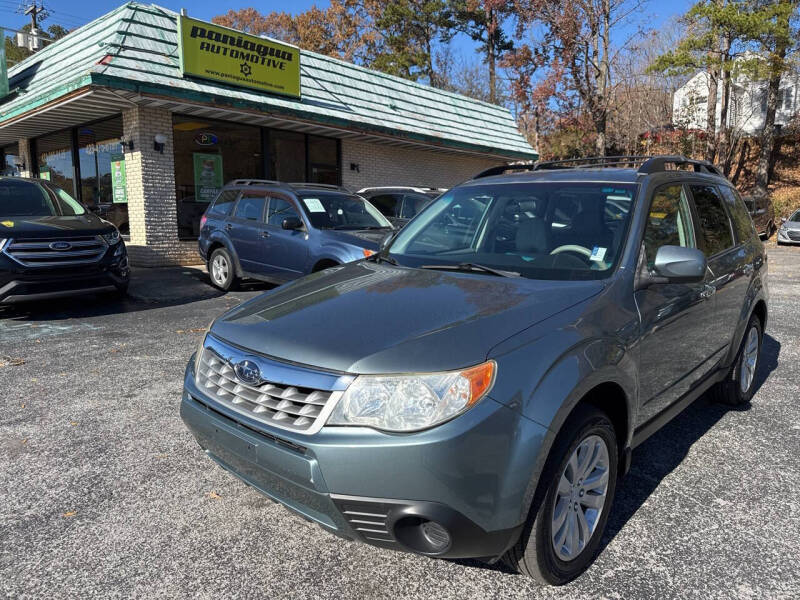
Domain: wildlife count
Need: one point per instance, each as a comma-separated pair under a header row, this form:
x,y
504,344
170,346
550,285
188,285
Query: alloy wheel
x,y
580,497
219,269
747,370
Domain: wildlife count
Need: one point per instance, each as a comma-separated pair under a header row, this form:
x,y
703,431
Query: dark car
x,y
277,232
476,388
763,214
52,246
400,204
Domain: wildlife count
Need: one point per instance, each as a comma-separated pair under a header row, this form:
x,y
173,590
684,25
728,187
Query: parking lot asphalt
x,y
104,493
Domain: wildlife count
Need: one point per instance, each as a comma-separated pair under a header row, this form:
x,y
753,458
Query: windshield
x,y
335,210
539,230
795,216
29,199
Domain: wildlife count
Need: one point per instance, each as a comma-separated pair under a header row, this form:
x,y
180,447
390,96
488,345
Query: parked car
x,y
116,214
476,387
400,204
763,214
789,233
277,232
52,246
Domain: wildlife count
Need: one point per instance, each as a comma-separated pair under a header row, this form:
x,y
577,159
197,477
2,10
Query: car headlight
x,y
199,354
412,402
112,238
2,243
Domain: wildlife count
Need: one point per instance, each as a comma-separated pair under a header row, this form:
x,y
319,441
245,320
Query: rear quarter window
x,y
715,226
742,222
223,205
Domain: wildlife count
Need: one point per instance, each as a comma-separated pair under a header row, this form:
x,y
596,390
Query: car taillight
x,y
203,220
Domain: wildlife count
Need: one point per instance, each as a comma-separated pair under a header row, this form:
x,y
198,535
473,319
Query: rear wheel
x,y
738,386
572,502
221,269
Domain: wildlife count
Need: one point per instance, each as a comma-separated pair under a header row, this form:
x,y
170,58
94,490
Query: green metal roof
x,y
135,47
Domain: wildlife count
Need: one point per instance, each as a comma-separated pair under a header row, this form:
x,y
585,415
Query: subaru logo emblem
x,y
247,372
60,246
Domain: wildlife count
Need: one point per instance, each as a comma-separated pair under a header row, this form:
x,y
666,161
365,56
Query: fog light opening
x,y
422,535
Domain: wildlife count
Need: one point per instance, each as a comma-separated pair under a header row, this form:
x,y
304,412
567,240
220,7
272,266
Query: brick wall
x,y
27,158
152,208
388,165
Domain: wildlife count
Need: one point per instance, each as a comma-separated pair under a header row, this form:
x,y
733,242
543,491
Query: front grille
x,y
285,406
368,519
56,251
793,235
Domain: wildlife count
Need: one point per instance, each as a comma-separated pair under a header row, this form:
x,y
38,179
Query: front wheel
x,y
738,386
572,502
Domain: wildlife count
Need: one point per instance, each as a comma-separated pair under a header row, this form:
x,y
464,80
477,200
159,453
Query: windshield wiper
x,y
378,257
473,267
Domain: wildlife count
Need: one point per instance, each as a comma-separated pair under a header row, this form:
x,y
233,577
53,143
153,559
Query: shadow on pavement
x,y
149,288
664,451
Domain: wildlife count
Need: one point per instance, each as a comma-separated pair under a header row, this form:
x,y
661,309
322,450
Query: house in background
x,y
748,106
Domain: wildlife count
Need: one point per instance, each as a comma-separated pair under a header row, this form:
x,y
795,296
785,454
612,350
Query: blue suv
x,y
277,232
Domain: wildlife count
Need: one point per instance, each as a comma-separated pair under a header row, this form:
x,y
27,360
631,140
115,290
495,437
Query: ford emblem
x,y
60,246
247,372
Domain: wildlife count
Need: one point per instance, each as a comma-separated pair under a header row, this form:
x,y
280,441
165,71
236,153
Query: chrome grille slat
x,y
286,406
33,252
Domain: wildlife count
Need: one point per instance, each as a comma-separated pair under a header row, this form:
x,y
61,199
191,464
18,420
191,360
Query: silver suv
x,y
476,387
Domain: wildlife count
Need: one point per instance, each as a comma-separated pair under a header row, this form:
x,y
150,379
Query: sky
x,y
72,14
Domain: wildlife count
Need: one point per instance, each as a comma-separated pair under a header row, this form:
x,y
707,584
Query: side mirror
x,y
292,223
676,264
783,219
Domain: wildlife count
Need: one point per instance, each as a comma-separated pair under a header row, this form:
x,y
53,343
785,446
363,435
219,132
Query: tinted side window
x,y
715,227
224,203
386,203
279,209
741,218
251,207
669,222
412,204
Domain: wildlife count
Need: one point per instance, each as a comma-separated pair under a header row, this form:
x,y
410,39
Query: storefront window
x,y
11,165
102,170
208,154
54,155
323,160
287,155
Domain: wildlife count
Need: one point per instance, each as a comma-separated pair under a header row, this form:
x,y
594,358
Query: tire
x,y
221,270
535,553
738,386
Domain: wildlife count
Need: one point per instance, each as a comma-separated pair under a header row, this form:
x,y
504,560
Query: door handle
x,y
708,292
265,234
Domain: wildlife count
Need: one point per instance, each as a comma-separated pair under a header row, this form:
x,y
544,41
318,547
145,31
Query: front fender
x,y
337,252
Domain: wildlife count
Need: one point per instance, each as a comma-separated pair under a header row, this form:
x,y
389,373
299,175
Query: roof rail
x,y
591,161
500,169
325,186
253,182
657,164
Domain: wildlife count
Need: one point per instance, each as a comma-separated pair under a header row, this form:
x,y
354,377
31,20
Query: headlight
x,y
199,354
111,238
412,402
2,243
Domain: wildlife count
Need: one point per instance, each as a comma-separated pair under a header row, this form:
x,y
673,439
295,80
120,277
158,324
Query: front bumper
x,y
28,283
378,488
785,237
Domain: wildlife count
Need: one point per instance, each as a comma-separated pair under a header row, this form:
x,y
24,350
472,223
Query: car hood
x,y
366,317
363,238
88,224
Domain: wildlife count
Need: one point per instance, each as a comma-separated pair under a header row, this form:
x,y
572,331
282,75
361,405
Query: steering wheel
x,y
573,248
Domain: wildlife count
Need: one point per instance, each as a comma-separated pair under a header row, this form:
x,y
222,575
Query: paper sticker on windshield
x,y
598,254
314,205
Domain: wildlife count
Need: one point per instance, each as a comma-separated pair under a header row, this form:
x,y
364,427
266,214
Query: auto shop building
x,y
146,113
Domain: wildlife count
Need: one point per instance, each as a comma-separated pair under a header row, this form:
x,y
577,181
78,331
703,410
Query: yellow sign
x,y
229,56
